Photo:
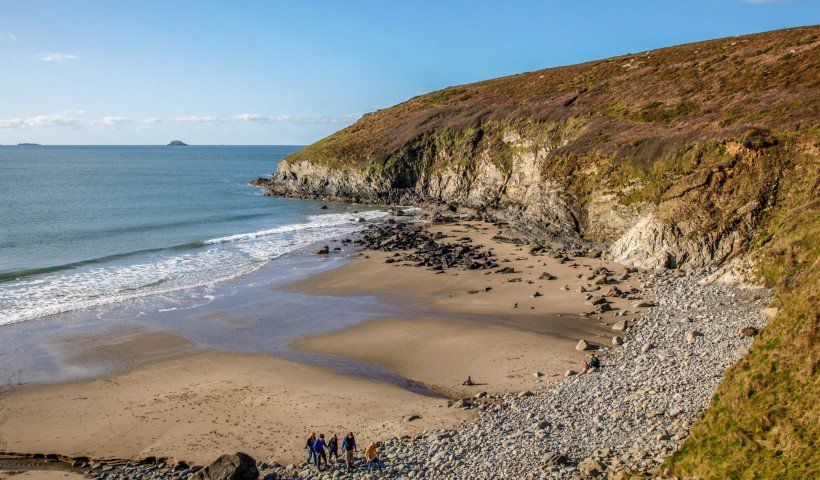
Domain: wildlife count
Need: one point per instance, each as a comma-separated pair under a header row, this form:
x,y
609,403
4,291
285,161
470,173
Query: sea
x,y
82,226
101,243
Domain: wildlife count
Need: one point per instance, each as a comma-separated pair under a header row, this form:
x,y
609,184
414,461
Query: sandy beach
x,y
204,404
194,404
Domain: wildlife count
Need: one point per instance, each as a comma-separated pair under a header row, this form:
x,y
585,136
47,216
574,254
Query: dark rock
x,y
748,331
323,250
238,466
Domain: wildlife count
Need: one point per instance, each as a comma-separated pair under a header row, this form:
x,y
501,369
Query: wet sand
x,y
442,353
39,475
176,398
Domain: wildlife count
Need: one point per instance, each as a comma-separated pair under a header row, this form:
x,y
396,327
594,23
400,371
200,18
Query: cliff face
x,y
672,157
700,154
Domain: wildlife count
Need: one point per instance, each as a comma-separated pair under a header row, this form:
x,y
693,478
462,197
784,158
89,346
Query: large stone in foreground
x,y
238,466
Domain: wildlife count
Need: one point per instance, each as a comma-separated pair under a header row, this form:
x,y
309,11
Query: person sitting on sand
x,y
595,362
333,448
372,458
468,382
309,446
349,447
319,451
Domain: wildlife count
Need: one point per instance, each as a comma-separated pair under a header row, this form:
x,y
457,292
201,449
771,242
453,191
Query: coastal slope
x,y
699,155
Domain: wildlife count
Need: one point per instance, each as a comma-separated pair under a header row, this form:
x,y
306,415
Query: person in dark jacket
x,y
349,447
319,451
333,448
309,447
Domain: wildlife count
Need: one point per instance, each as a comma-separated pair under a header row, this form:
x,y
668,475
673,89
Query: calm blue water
x,y
93,225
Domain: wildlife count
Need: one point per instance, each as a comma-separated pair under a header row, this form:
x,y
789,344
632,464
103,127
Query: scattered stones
x,y
323,250
582,345
692,335
748,331
616,340
553,458
590,467
536,294
620,326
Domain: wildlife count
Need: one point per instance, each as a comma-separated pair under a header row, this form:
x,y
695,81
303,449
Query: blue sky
x,y
102,72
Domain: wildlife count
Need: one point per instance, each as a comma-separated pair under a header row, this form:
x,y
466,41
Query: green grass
x,y
764,419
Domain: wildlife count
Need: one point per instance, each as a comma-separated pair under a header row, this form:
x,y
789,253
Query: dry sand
x,y
202,405
449,331
421,289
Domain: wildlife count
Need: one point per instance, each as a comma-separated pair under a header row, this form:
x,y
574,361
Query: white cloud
x,y
57,57
57,120
77,119
8,36
258,118
114,122
197,119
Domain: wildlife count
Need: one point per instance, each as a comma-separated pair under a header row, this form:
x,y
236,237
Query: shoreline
x,y
479,327
628,415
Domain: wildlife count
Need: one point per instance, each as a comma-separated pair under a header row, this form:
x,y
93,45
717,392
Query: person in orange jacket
x,y
372,458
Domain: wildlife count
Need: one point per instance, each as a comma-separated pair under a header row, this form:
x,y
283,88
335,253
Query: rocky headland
x,y
700,158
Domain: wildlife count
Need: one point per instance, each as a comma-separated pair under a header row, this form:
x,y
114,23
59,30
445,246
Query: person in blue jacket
x,y
319,451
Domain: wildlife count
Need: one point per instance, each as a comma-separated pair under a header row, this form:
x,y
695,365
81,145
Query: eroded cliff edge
x,y
704,154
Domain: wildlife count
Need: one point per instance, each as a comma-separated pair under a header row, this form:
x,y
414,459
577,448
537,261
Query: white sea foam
x,y
218,260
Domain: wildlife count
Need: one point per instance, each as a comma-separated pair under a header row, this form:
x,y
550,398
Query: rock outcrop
x,y
670,157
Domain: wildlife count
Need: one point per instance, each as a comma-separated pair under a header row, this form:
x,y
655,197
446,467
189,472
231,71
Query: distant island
x,y
177,143
28,144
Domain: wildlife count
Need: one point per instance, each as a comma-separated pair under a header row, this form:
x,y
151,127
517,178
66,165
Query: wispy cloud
x,y
8,36
78,119
65,120
258,118
57,57
205,120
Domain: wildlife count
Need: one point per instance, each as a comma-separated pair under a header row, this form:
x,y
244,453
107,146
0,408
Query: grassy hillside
x,y
723,135
764,420
639,106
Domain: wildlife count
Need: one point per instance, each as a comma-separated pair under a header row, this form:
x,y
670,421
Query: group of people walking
x,y
320,451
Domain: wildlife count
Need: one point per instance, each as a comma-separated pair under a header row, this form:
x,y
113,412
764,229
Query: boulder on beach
x,y
238,466
323,250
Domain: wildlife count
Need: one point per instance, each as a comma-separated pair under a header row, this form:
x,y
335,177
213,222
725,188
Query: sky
x,y
292,72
